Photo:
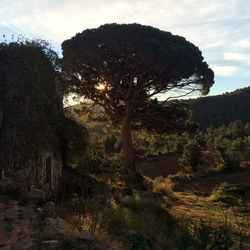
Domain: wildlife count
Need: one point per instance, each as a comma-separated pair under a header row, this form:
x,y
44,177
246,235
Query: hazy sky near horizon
x,y
221,29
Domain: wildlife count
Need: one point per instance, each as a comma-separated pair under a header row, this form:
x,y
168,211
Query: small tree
x,y
123,67
235,129
192,156
109,143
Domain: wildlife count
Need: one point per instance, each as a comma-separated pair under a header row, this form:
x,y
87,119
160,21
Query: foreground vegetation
x,y
186,205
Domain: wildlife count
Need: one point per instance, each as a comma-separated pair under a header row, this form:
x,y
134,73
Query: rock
x,y
4,182
150,195
50,244
40,214
83,241
126,200
116,194
55,233
50,210
58,233
36,194
55,228
7,186
84,236
6,248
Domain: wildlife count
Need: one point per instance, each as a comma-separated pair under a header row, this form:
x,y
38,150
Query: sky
x,y
220,28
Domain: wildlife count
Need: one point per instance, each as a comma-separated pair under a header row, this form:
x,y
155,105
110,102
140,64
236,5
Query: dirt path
x,y
204,185
160,166
163,166
16,225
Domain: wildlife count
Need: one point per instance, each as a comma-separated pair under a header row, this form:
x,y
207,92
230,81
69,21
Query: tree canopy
x,y
123,67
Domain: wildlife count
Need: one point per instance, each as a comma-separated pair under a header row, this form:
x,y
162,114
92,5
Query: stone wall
x,y
43,173
30,115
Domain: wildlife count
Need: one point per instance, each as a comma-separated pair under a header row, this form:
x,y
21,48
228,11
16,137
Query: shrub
x,y
192,157
115,162
177,180
93,160
109,143
227,160
143,223
230,194
140,151
211,236
161,185
133,240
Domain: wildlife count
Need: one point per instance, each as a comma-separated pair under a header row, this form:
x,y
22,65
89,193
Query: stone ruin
x,y
30,115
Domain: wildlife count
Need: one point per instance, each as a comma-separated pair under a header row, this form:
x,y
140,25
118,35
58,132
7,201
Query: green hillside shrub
x,y
211,236
230,194
133,240
191,158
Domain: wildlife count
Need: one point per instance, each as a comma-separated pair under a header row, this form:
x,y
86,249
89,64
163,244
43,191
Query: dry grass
x,y
162,185
192,207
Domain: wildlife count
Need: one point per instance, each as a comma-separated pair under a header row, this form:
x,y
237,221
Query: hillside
x,y
222,109
207,111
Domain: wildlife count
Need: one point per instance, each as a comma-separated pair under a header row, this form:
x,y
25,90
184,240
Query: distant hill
x,y
222,109
78,113
207,111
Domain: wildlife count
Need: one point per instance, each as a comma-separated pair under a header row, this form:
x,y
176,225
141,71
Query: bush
x,y
177,180
115,162
93,160
192,157
140,151
210,236
142,223
133,240
230,194
161,185
109,143
227,162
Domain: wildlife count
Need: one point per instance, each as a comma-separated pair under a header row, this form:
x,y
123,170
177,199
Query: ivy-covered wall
x,y
30,115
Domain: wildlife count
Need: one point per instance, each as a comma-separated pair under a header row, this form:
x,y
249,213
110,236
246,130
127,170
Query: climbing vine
x,y
31,107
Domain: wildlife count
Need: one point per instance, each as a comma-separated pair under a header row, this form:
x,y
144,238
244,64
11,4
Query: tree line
x,y
221,109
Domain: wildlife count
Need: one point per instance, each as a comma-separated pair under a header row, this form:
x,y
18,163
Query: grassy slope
x,y
193,201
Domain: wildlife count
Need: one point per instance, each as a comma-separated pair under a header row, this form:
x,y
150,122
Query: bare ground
x,y
16,225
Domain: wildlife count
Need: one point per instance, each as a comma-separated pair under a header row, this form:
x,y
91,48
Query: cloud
x,y
244,43
221,29
236,56
224,70
207,22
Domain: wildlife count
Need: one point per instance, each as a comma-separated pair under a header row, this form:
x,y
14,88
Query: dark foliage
x,y
222,109
29,102
122,67
31,106
134,62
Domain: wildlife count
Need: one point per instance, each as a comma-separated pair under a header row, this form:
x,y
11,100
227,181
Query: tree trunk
x,y
128,151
